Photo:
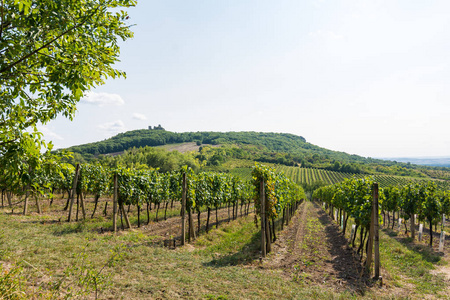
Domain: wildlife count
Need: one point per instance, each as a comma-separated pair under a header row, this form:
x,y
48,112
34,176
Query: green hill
x,y
275,148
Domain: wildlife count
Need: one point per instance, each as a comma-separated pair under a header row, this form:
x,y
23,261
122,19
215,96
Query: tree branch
x,y
58,60
50,42
8,142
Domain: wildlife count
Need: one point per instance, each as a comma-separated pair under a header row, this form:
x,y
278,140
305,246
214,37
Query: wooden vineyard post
x,y
376,236
72,193
371,229
263,219
115,204
183,210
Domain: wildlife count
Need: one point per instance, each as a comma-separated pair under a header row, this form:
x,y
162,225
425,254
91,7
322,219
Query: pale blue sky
x,y
367,77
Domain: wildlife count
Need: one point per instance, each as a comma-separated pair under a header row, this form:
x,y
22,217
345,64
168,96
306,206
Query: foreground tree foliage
x,y
51,53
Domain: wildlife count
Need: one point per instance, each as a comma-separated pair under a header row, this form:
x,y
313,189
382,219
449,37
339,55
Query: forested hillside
x,y
277,148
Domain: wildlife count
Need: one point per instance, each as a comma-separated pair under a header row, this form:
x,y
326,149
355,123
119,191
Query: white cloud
x,y
328,34
116,127
102,99
49,134
140,117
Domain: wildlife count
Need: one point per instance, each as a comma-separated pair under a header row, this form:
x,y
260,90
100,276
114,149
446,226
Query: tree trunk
x,y
287,215
345,223
125,215
95,205
361,239
191,226
217,219
148,213
431,233
52,197
157,211
139,215
198,221
268,236
78,206
83,209
68,201
105,210
393,220
207,219
121,216
273,230
38,205
366,231
354,236
165,211
8,197
25,205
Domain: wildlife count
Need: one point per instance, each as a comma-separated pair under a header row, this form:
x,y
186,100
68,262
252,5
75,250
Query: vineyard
x,y
156,214
141,213
142,189
352,198
311,175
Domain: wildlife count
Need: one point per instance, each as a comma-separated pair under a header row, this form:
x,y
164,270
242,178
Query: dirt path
x,y
312,249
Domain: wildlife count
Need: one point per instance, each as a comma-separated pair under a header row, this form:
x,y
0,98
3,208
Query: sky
x,y
367,77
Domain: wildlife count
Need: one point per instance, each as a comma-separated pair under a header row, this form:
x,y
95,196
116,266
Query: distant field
x,y
184,147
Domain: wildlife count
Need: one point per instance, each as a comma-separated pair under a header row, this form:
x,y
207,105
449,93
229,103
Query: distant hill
x,y
300,151
277,148
425,161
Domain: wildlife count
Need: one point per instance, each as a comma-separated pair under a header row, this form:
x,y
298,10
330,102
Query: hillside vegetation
x,y
276,148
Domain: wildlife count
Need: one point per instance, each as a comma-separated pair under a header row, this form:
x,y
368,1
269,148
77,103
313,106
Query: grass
x,y
411,264
223,264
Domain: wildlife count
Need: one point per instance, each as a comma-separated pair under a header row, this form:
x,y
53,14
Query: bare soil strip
x,y
312,249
